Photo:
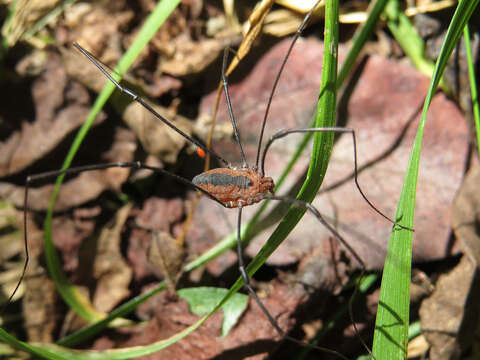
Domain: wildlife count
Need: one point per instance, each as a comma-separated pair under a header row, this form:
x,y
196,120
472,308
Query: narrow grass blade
x,y
360,38
64,287
473,85
391,328
32,349
409,40
95,327
49,351
48,18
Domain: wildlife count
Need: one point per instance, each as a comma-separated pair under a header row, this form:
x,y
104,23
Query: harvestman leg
x,y
149,108
275,137
309,207
140,165
75,170
283,133
278,135
248,286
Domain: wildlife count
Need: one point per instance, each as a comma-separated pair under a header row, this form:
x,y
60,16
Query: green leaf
x,y
473,85
202,300
391,327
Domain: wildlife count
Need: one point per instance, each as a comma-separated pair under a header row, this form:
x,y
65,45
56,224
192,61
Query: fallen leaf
x,y
39,305
417,347
110,269
25,14
466,215
383,110
166,257
82,188
157,215
60,107
450,316
191,57
157,138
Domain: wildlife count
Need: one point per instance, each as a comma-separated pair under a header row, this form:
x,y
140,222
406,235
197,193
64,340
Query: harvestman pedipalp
x,y
230,187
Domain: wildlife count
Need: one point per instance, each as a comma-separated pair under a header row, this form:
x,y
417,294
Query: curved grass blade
x,y
391,328
31,349
68,292
56,352
323,144
128,353
95,327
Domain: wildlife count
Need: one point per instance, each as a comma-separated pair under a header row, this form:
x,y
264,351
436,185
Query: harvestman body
x,y
230,187
235,187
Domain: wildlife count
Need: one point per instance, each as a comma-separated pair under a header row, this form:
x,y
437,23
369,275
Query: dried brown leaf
x,y
385,99
26,14
60,108
191,57
110,268
166,257
156,137
39,305
450,316
157,215
466,215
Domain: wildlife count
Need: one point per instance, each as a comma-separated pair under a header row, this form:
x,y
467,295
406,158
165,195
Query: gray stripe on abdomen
x,y
241,182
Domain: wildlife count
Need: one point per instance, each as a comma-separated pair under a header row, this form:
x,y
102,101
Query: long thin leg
x,y
75,170
283,133
139,100
248,286
336,234
229,106
299,31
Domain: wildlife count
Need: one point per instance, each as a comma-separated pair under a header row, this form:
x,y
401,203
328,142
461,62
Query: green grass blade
x,y
391,328
56,352
409,40
68,292
323,143
360,38
473,86
95,327
38,350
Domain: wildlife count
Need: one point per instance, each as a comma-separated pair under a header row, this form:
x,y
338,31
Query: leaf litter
x,y
382,109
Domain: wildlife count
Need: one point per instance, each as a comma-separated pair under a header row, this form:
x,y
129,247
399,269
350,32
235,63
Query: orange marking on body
x,y
200,152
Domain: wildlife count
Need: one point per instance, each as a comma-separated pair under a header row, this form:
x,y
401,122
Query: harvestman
x,y
230,187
